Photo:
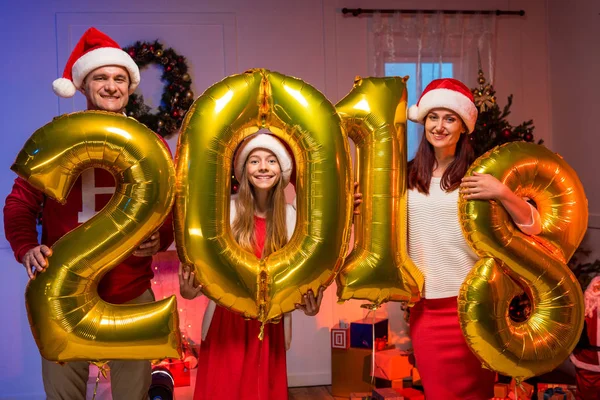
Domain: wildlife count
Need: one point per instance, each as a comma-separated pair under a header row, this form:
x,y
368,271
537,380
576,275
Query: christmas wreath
x,y
177,95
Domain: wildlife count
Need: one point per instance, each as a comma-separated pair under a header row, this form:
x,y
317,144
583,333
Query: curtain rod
x,y
358,11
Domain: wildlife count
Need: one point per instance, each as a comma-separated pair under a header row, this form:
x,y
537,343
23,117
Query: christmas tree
x,y
492,128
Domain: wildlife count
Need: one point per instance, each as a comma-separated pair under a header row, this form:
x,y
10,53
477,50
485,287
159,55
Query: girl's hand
x,y
310,305
187,283
482,187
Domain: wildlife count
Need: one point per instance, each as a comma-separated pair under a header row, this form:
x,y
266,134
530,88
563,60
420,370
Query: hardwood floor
x,y
312,393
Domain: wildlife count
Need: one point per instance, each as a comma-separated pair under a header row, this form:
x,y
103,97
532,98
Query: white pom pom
x,y
413,114
64,87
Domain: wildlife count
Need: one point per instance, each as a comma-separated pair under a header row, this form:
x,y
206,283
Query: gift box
x,y
555,391
361,332
350,371
411,394
360,396
386,394
395,384
392,364
523,391
340,337
501,390
416,378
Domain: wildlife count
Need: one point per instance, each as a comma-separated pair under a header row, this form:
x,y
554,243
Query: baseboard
x,y
309,379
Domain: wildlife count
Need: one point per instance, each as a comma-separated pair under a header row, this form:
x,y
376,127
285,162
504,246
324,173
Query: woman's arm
x,y
486,187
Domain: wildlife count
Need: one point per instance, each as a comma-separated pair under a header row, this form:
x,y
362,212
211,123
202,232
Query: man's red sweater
x,y
89,195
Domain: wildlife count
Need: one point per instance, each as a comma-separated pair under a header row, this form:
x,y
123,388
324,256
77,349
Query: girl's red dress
x,y
233,362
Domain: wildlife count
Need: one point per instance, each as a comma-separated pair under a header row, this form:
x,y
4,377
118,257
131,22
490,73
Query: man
x,y
106,76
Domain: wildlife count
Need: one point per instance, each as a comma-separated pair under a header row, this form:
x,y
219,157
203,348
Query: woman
x,y
233,362
448,369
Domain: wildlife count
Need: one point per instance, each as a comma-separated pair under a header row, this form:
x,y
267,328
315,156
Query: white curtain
x,y
431,46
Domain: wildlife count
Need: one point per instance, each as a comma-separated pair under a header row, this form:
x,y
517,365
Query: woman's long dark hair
x,y
420,169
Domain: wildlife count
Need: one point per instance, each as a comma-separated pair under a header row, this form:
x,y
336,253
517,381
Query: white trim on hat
x,y
268,142
102,57
445,98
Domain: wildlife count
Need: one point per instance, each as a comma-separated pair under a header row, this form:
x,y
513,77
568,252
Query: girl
x,y
233,362
449,370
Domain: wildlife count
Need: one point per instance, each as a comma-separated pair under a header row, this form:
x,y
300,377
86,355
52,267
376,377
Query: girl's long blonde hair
x,y
243,224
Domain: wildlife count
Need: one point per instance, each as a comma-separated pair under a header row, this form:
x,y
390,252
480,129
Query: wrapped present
x,y
360,396
411,394
416,378
386,394
361,332
392,364
340,337
501,390
350,371
395,384
554,391
521,391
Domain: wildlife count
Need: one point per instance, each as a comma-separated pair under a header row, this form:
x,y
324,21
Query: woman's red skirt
x,y
448,368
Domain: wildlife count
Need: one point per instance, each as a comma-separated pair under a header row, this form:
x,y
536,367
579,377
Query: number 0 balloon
x,y
217,122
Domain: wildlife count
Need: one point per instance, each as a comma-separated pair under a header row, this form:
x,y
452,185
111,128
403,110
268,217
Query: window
x,y
429,72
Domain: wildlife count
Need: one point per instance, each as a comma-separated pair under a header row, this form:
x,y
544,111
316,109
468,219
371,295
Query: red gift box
x,y
568,391
411,394
501,390
340,337
392,364
524,391
386,394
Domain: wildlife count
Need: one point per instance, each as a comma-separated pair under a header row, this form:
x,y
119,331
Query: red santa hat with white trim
x,y
446,93
95,49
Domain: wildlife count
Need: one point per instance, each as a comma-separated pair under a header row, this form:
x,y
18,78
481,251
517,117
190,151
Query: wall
x,y
574,29
309,39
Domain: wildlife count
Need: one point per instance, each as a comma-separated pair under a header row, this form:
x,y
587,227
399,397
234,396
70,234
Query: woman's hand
x,y
357,199
310,305
482,187
188,287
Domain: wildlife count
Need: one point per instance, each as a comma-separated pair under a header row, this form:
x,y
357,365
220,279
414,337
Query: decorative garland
x,y
177,95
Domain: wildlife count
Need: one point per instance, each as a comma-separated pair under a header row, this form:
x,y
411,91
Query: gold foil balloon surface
x,y
68,319
512,262
379,269
217,122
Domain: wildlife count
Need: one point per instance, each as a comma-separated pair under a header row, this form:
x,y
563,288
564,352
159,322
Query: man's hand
x,y
187,283
150,247
357,199
311,305
34,260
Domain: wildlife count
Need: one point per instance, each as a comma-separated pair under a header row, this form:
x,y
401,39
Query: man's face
x,y
107,89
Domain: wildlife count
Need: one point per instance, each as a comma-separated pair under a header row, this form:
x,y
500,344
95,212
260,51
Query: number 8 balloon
x,y
512,262
68,319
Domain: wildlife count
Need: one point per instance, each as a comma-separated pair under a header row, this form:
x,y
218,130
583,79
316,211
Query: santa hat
x,y
267,142
94,50
446,93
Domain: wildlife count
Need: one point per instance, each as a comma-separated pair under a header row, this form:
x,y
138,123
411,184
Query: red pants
x,y
448,368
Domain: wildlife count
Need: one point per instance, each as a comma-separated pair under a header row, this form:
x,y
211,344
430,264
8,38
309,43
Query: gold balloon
x,y
68,319
217,122
379,269
512,262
